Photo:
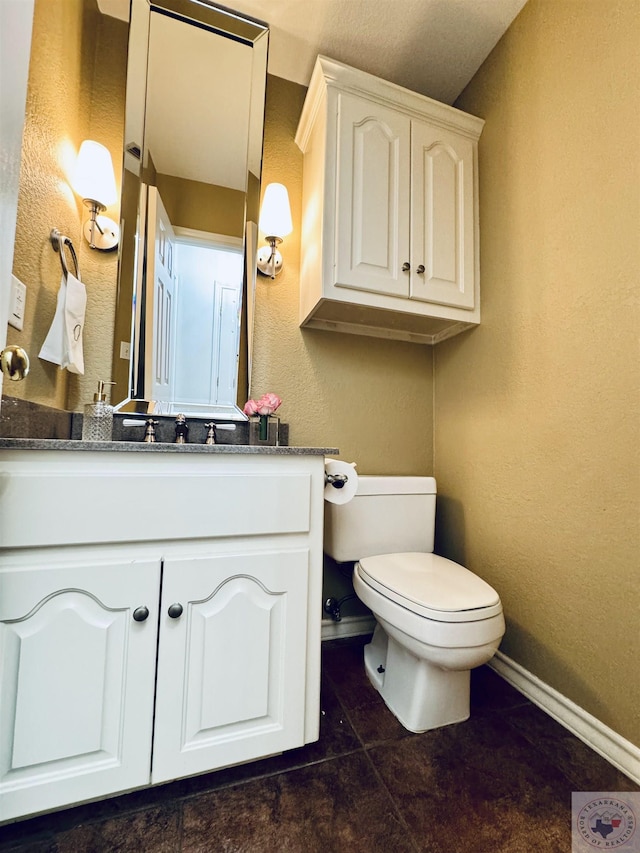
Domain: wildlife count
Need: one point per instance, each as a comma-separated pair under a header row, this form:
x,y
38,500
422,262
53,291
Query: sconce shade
x,y
94,177
275,215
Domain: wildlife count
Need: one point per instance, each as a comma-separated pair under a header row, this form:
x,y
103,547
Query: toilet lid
x,y
431,586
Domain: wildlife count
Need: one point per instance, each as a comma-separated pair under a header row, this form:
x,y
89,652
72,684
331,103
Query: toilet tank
x,y
386,515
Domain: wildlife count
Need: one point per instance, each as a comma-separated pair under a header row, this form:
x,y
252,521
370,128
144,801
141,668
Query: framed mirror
x,y
191,188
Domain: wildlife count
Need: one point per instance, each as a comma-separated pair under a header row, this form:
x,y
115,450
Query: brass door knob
x,y
14,363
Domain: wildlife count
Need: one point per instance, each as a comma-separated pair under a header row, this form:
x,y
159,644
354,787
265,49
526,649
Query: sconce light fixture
x,y
95,181
275,223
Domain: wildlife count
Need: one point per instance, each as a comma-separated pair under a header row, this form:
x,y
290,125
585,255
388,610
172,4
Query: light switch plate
x,y
17,303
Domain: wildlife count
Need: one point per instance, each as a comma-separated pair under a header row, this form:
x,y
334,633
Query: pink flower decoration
x,y
250,408
266,405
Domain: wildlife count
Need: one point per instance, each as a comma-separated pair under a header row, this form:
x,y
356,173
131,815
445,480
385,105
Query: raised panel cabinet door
x,y
442,217
77,671
372,182
231,660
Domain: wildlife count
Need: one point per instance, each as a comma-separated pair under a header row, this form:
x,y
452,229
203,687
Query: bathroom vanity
x,y
159,613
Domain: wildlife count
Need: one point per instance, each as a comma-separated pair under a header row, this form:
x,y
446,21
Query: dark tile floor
x,y
500,782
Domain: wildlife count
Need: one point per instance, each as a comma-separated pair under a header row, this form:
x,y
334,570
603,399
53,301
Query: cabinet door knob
x,y
420,269
140,614
175,611
406,266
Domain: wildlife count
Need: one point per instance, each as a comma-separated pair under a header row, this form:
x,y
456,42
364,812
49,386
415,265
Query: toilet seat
x,y
431,586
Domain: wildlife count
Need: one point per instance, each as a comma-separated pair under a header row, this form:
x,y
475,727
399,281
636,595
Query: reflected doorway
x,y
208,307
200,338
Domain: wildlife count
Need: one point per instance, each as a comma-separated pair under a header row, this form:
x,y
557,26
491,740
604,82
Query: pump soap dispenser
x,y
97,423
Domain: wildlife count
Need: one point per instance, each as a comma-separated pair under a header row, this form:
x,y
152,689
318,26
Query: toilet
x,y
435,619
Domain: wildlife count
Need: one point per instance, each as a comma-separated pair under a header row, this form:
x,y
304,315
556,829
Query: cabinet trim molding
x,y
330,73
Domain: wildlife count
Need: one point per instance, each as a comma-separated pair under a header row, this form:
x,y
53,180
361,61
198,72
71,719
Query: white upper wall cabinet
x,y
390,210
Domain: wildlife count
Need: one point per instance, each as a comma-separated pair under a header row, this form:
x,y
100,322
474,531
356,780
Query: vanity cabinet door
x,y
77,670
231,660
372,227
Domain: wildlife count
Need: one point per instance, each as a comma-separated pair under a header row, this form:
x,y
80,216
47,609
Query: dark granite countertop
x,y
160,447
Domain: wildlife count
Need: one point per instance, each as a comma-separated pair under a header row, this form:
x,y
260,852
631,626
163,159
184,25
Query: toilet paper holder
x,y
336,480
340,481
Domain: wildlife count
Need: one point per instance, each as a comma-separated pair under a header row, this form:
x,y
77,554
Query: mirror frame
x,y
131,290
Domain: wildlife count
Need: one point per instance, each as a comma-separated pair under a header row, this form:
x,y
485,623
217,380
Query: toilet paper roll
x,y
343,495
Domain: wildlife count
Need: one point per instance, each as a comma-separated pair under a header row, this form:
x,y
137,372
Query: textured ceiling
x,y
431,46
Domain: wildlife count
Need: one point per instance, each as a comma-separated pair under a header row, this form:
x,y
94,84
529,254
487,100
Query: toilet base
x,y
422,696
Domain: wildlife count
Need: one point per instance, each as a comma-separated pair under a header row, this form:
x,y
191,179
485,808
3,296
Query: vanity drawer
x,y
48,505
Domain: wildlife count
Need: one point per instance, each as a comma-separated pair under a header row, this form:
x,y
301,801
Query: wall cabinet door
x,y
405,224
76,681
231,660
372,220
442,217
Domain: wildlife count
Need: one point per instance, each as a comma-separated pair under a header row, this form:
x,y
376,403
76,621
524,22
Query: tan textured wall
x,y
107,99
537,414
370,398
72,47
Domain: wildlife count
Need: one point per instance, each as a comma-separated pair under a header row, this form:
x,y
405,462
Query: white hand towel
x,y
63,344
53,344
74,311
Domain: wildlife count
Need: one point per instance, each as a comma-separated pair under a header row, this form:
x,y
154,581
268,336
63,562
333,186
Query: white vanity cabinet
x,y
390,210
154,618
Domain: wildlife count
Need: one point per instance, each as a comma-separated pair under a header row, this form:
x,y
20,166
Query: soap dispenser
x,y
97,423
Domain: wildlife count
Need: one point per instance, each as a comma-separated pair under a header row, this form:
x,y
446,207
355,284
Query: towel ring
x,y
59,241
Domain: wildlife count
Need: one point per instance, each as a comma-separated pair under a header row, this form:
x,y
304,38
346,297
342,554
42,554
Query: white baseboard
x,y
620,752
349,626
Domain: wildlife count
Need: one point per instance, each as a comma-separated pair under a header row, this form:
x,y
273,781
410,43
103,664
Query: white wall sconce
x,y
275,223
95,181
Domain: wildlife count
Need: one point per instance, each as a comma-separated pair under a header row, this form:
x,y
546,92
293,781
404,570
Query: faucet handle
x,y
150,431
211,434
182,429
